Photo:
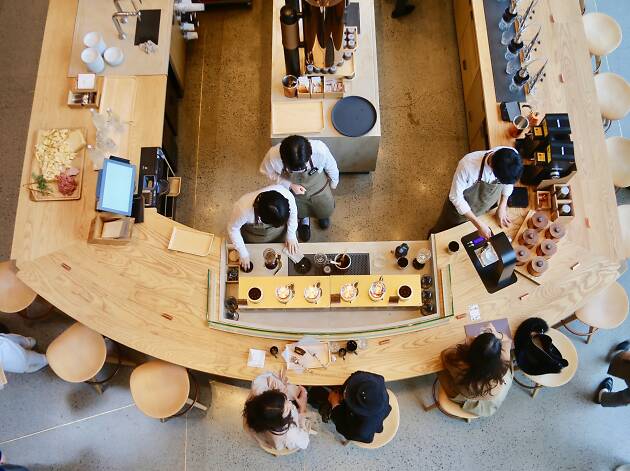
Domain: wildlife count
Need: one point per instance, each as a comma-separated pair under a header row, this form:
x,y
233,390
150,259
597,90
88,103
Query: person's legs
x,y
35,361
615,399
24,342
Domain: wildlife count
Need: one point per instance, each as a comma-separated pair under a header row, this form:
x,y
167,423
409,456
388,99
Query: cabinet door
x,y
468,57
462,10
475,109
478,140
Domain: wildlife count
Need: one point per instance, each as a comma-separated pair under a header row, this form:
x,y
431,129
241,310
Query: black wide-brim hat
x,y
365,393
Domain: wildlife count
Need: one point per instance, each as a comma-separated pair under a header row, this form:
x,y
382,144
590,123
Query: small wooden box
x,y
333,87
317,86
304,87
555,213
96,229
543,200
85,98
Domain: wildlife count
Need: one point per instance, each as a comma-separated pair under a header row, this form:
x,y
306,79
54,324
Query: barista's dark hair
x,y
272,208
264,413
295,152
507,165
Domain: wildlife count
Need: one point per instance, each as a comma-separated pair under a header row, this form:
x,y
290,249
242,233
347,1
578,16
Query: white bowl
x,y
114,56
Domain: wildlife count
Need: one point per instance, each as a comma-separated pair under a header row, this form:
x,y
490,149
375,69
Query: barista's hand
x,y
297,189
484,230
245,263
502,216
301,399
292,246
334,397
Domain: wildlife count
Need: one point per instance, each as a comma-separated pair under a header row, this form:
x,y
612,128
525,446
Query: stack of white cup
x,y
96,49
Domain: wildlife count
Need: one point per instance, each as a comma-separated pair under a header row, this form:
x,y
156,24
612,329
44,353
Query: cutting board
x,y
297,117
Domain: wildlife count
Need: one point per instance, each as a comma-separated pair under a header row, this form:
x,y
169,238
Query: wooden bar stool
x,y
619,159
390,427
606,310
15,296
603,35
554,380
160,390
274,452
78,355
447,406
624,220
613,95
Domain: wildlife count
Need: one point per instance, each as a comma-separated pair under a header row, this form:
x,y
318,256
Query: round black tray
x,y
353,116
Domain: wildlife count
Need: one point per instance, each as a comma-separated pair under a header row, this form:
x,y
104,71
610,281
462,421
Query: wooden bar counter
x,y
154,300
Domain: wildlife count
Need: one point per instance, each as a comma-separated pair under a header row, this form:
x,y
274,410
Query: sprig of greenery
x,y
42,184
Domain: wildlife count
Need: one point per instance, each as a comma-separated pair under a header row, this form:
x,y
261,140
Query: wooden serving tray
x,y
392,283
78,162
297,116
268,285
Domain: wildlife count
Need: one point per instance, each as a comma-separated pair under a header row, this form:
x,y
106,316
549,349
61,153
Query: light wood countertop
x,y
123,292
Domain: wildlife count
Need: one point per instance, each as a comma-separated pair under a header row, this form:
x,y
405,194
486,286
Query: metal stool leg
x,y
588,335
190,403
100,385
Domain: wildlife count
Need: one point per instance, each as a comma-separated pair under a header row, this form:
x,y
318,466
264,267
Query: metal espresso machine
x,y
494,259
326,42
549,148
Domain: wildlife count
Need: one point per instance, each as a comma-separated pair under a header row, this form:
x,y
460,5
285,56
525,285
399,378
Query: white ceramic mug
x,y
95,40
93,60
114,56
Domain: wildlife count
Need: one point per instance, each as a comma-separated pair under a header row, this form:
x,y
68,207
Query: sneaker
x,y
304,232
31,342
605,385
623,346
324,223
403,12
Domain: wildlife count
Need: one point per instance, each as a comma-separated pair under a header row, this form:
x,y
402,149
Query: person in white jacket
x,y
275,413
263,216
17,355
309,170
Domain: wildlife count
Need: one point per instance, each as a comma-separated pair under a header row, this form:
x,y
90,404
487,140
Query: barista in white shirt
x,y
482,179
310,171
263,216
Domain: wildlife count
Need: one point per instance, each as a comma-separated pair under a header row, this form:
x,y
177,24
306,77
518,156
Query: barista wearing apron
x,y
263,216
310,171
482,179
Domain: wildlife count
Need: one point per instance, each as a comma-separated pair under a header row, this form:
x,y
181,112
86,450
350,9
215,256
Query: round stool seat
x,y
607,309
275,452
603,33
569,353
159,389
613,94
15,296
619,159
390,426
624,221
451,407
78,354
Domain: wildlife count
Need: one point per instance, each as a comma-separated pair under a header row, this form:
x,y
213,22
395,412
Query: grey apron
x,y
318,201
481,197
261,233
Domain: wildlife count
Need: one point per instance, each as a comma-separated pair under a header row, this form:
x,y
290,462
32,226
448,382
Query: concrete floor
x,y
47,424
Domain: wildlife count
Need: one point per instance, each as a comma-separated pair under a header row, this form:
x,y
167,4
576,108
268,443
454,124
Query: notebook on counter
x,y
501,325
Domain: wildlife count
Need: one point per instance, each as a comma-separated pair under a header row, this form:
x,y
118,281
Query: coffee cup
x,y
519,124
402,262
255,295
289,85
453,246
404,292
343,261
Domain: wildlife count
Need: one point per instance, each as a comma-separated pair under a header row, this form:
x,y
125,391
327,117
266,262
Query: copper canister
x,y
555,231
523,254
538,221
537,266
547,248
529,238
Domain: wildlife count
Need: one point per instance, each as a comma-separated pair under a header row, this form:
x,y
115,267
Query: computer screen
x,y
116,184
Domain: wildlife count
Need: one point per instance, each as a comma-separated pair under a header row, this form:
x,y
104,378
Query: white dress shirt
x,y
272,165
243,213
296,436
466,175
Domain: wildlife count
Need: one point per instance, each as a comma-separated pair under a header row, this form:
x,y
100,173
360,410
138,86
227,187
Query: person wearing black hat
x,y
359,408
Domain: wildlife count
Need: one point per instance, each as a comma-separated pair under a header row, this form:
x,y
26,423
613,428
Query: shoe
x,y
605,385
325,411
304,232
31,343
623,346
324,223
404,12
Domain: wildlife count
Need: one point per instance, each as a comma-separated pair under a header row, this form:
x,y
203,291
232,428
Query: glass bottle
x,y
513,49
519,80
508,17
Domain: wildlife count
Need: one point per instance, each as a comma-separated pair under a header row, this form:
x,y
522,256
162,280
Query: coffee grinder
x,y
323,25
494,259
550,149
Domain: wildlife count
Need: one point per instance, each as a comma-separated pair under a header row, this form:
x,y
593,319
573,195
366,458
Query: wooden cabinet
x,y
471,75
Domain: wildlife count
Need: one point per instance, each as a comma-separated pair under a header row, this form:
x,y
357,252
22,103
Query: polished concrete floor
x,y
47,424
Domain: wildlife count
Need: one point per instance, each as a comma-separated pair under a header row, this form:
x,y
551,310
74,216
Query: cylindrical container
x,y
93,60
555,231
95,40
538,221
402,250
547,248
523,254
255,295
453,246
426,282
519,124
562,193
404,292
564,210
537,266
402,262
290,39
534,118
289,84
529,238
271,258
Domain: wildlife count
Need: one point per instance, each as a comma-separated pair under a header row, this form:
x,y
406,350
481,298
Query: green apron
x,y
318,201
261,233
481,197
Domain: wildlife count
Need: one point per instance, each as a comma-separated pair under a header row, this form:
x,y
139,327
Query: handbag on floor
x,y
534,350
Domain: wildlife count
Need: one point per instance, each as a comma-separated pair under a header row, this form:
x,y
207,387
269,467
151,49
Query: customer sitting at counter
x,y
482,179
477,374
263,216
275,413
310,171
358,409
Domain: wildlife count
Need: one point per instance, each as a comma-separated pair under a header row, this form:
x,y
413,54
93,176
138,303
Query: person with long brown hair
x,y
477,374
